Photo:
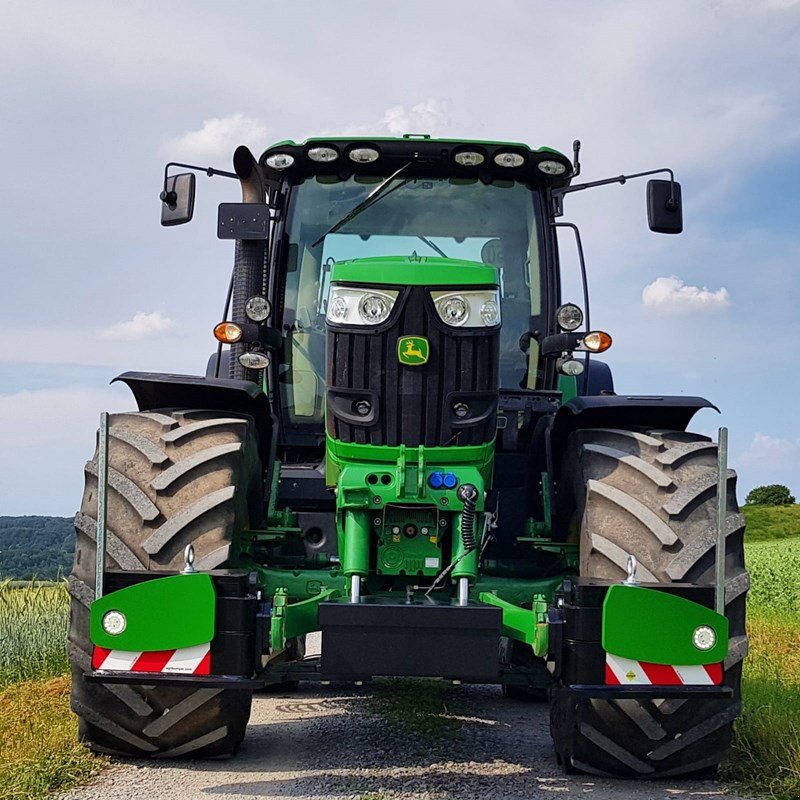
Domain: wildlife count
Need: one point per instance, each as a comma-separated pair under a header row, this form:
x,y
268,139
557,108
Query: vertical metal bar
x,y
102,505
722,518
463,591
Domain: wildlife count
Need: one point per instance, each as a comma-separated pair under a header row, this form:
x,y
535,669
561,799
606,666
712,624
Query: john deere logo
x,y
412,350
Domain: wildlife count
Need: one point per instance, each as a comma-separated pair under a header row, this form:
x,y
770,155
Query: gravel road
x,y
337,743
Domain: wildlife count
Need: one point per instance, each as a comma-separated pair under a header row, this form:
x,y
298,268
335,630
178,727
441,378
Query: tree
x,y
775,494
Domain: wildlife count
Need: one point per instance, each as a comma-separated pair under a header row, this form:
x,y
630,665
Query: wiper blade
x,y
433,246
369,200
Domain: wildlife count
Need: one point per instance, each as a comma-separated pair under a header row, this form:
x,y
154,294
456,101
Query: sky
x,y
97,96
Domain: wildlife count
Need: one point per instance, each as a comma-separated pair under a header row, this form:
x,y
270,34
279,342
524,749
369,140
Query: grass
x,y
39,749
771,523
766,749
33,625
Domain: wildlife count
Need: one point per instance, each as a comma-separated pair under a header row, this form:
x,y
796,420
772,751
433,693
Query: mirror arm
x,y
671,203
170,197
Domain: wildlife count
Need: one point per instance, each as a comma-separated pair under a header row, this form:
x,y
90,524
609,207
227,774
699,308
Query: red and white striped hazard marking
x,y
185,661
625,671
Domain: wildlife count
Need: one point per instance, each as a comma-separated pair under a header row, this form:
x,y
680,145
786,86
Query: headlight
x,y
254,359
257,308
280,160
350,305
471,309
569,317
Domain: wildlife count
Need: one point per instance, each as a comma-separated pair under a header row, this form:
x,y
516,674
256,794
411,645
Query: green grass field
x,y
41,755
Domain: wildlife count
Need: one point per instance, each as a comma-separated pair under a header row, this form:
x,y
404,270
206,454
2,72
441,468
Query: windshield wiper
x,y
433,246
368,201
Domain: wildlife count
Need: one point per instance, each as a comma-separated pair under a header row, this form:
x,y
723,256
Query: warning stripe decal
x,y
626,672
185,661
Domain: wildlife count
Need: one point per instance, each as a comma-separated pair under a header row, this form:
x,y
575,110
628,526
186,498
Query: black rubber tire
x,y
652,494
175,478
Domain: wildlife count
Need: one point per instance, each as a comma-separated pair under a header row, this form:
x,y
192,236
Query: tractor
x,y
404,459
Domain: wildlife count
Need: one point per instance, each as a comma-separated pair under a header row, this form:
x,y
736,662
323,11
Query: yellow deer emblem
x,y
412,350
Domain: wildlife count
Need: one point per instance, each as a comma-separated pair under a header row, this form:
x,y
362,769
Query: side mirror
x,y
664,207
177,199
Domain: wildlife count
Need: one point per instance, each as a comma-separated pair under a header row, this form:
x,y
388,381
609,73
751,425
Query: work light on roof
x,y
469,158
280,160
363,155
550,167
323,154
506,159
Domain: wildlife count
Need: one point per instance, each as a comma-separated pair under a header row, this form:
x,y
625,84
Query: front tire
x,y
652,494
175,478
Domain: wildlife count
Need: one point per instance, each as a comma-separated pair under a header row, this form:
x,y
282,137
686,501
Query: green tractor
x,y
404,448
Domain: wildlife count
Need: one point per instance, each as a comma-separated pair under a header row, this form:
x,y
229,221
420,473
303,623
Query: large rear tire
x,y
653,494
175,478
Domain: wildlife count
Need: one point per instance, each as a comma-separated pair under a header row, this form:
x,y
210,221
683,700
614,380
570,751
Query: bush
x,y
775,494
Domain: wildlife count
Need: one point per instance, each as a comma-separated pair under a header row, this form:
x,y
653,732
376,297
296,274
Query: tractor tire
x,y
652,494
175,478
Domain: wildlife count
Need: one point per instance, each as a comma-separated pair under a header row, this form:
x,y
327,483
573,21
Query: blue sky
x,y
97,97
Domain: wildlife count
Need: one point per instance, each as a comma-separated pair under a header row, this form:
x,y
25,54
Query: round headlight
x,y
453,310
114,622
469,158
373,309
552,167
571,367
363,155
280,160
323,154
704,637
257,308
490,313
337,310
569,317
253,359
509,159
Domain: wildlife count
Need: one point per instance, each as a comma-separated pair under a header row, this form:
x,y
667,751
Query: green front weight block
x,y
163,614
660,628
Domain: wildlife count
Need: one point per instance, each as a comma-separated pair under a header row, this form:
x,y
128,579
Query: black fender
x,y
618,411
598,379
156,390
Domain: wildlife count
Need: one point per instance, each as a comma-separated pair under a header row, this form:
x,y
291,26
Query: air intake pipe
x,y
250,259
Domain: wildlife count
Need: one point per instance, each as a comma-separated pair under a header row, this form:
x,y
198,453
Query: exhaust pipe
x,y
250,260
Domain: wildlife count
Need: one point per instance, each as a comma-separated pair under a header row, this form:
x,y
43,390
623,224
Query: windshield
x,y
494,223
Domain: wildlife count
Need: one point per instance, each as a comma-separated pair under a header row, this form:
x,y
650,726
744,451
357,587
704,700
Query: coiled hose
x,y
468,495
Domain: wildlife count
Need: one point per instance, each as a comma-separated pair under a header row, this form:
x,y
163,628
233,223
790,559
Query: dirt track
x,y
338,743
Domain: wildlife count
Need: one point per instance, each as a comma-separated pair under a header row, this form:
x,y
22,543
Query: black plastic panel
x,y
385,638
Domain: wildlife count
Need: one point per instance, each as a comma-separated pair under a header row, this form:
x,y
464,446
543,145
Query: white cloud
x,y
430,116
217,138
142,326
672,295
772,453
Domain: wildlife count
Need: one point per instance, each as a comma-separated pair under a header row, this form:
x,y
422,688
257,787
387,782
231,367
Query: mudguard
x,y
156,390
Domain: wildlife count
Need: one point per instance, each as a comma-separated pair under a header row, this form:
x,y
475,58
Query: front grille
x,y
413,405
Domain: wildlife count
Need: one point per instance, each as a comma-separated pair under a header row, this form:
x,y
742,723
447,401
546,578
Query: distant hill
x,y
36,547
768,523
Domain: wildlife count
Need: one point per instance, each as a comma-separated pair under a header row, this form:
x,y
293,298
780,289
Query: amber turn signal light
x,y
227,332
596,342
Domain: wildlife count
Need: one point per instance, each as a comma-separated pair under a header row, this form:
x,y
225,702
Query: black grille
x,y
413,405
